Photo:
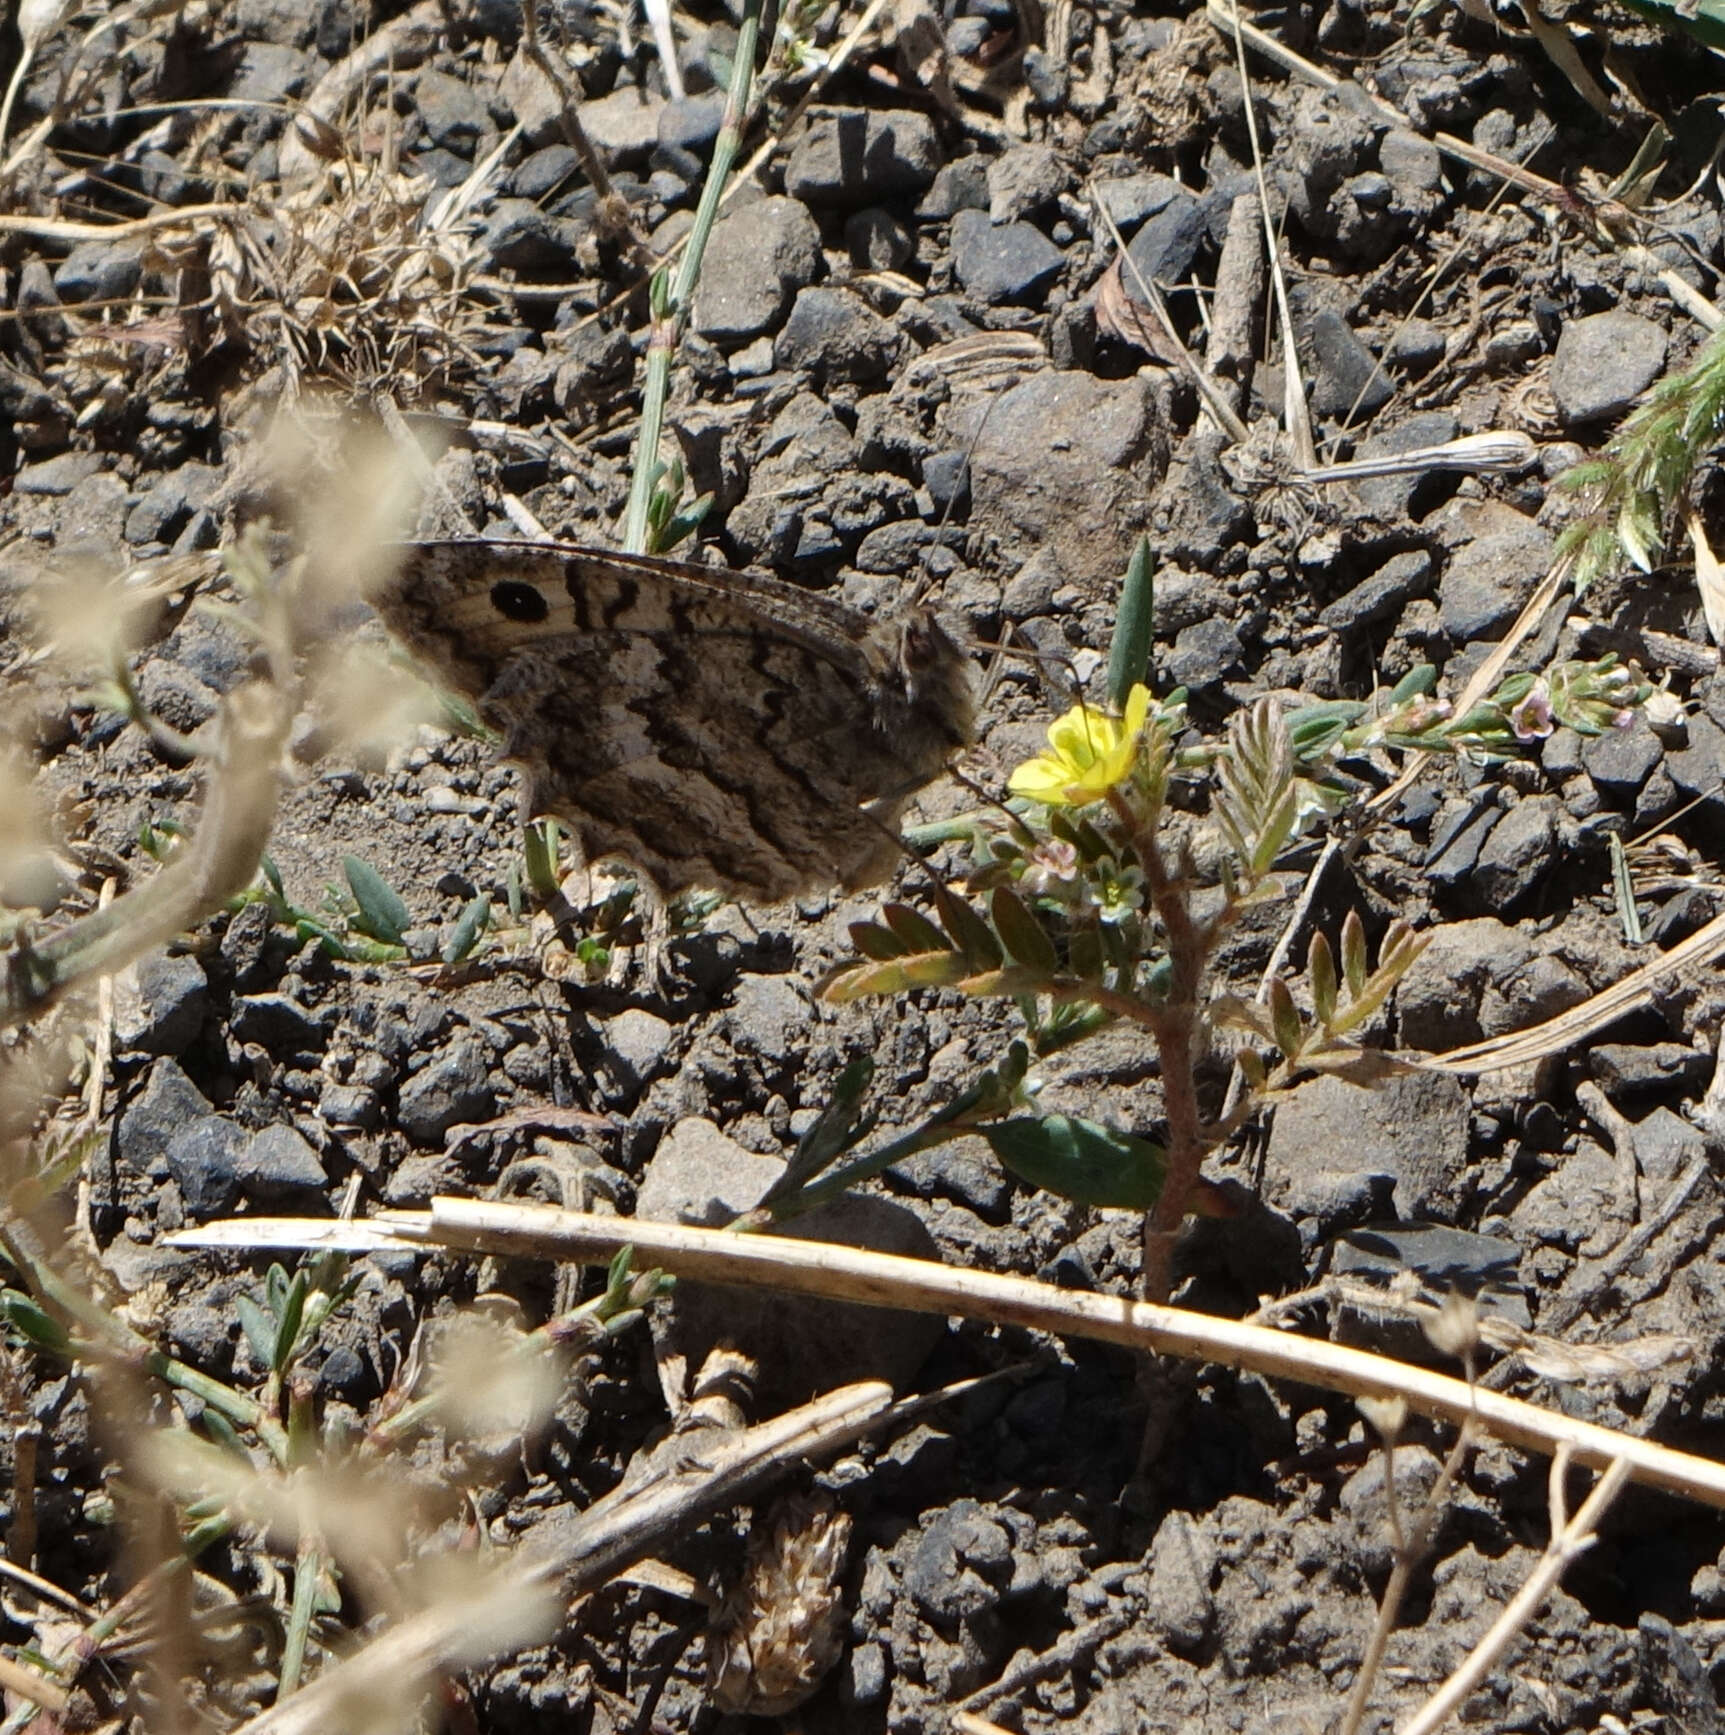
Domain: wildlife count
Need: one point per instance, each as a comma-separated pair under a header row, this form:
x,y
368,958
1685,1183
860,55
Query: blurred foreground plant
x,y
1094,903
243,750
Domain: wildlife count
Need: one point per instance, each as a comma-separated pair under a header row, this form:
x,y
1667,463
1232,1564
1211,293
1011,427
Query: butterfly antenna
x,y
926,584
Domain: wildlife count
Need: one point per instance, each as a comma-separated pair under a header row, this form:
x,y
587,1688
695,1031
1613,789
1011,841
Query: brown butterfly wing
x,y
713,729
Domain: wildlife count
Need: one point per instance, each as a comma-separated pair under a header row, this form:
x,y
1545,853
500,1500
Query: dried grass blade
x,y
791,1267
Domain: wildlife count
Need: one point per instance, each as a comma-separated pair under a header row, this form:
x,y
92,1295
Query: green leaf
x,y
1285,1020
917,932
974,938
1024,937
876,942
1081,1161
1315,729
1321,971
617,1272
259,1328
223,1432
840,1124
836,1126
1134,627
1159,980
681,525
896,976
1092,845
1014,980
1085,954
1401,947
539,851
382,914
358,948
659,304
1354,954
473,921
34,1323
1416,683
292,1311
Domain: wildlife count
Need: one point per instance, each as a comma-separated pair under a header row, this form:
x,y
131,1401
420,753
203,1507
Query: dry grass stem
x,y
1570,1538
1610,219
219,863
1214,400
1472,455
1635,991
37,1689
1296,412
1411,1544
789,1267
394,47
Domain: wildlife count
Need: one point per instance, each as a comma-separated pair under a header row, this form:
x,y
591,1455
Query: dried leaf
x,y
1133,322
1709,578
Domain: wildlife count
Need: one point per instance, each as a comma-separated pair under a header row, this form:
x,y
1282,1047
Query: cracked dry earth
x,y
903,375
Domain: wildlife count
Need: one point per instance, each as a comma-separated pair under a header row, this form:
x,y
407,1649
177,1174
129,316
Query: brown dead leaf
x,y
1133,322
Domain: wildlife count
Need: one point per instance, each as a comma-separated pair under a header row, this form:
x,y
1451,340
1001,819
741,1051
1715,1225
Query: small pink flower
x,y
1531,719
1052,871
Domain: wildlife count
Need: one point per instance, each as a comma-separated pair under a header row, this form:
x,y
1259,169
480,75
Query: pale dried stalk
x,y
1472,455
1207,389
220,862
1296,412
1635,991
1568,1541
792,1267
1227,19
27,1684
1411,1548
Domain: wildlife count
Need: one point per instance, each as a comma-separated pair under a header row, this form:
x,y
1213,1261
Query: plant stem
x,y
1175,1030
568,106
307,1570
671,308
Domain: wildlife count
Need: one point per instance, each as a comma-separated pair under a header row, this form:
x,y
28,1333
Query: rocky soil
x,y
906,374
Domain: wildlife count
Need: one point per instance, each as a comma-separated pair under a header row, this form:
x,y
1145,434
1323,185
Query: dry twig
x,y
793,1267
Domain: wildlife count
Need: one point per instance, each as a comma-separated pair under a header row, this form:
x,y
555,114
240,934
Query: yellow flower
x,y
1089,754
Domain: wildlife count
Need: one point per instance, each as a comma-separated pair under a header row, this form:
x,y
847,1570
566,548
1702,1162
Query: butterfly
x,y
714,729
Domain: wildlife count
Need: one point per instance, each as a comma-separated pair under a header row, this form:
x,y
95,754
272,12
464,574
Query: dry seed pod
x,y
781,1626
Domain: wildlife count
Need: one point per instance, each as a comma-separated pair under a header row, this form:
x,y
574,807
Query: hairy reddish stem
x,y
1176,1031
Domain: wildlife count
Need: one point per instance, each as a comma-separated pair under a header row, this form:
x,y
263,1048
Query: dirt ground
x,y
908,377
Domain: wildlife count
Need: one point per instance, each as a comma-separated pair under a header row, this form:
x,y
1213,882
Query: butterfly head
x,y
931,680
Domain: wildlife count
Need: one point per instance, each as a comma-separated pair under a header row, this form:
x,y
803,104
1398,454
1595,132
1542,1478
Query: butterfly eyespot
x,y
519,602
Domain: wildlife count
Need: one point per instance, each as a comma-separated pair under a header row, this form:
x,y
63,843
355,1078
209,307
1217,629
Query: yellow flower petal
x,y
1042,779
1089,754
